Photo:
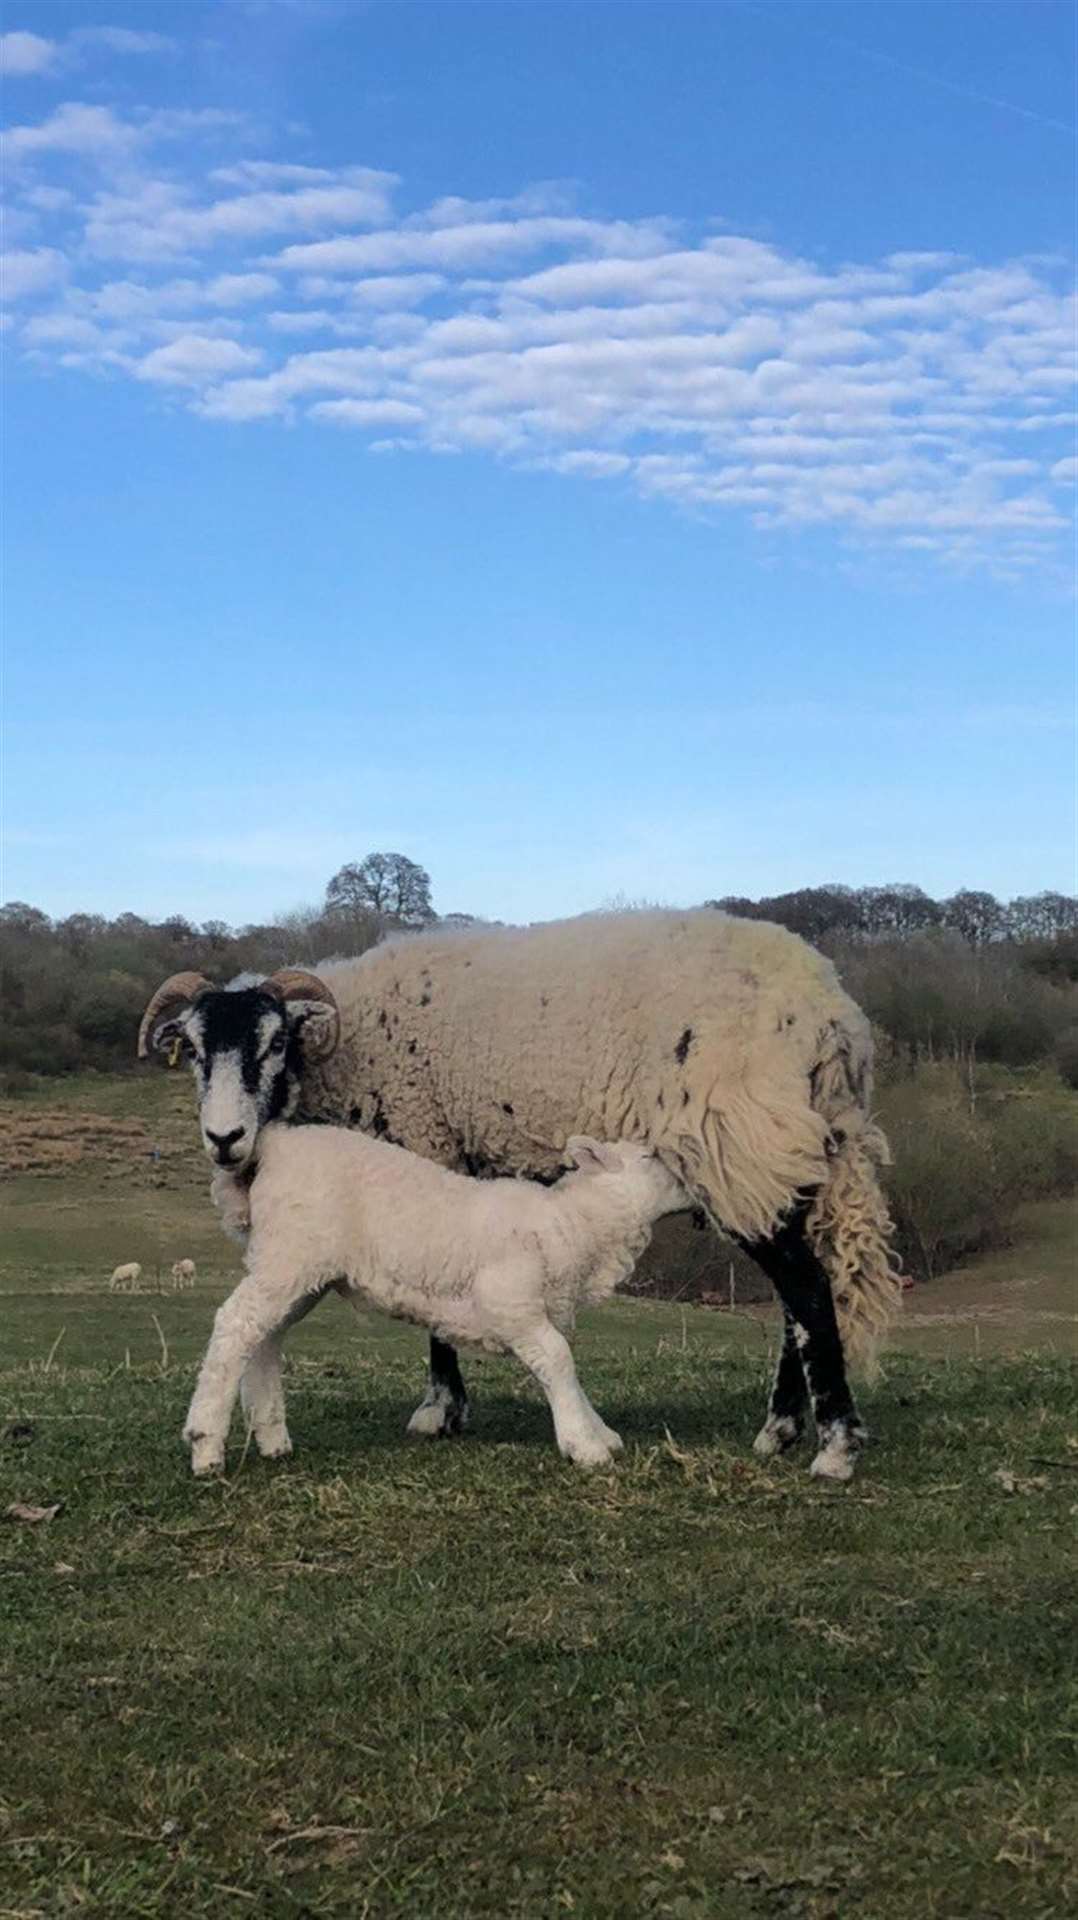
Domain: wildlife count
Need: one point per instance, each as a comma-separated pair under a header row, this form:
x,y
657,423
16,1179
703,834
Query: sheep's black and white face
x,y
244,1051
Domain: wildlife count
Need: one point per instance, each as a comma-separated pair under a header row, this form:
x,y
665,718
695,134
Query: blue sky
x,y
595,449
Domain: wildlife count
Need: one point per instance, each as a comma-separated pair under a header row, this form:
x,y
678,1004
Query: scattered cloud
x,y
29,53
25,53
922,402
31,271
73,128
122,40
194,359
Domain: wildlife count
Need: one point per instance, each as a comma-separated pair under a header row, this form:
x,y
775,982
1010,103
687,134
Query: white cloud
x,y
368,413
72,128
465,244
28,53
30,271
599,466
157,220
93,132
922,402
396,290
25,53
122,40
194,360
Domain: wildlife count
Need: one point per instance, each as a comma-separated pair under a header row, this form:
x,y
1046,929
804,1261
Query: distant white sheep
x,y
499,1263
126,1279
183,1274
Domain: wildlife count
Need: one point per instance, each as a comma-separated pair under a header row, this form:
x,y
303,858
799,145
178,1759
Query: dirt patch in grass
x,y
54,1140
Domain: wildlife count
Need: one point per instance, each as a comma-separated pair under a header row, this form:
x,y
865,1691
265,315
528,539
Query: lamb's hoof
x,y
274,1446
207,1457
778,1433
839,1446
611,1439
439,1417
588,1451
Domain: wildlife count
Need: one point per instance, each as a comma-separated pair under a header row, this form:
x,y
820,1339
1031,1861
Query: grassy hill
x,y
450,1680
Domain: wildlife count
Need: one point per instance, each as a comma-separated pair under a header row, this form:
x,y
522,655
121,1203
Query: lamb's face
x,y
244,1052
635,1165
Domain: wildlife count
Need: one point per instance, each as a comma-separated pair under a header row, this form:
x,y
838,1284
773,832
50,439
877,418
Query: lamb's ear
x,y
590,1156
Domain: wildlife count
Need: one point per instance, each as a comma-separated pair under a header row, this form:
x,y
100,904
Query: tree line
x,y
897,912
965,976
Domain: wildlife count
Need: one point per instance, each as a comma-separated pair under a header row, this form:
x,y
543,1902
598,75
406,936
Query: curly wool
x,y
728,1046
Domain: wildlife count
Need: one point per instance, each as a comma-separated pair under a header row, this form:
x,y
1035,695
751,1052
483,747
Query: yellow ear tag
x,y
175,1051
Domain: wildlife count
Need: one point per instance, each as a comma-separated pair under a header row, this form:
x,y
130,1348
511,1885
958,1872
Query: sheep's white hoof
x,y
777,1434
438,1414
831,1464
840,1447
274,1444
427,1419
610,1439
207,1456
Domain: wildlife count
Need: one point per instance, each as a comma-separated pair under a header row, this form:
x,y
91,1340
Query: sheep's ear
x,y
320,1025
169,1040
311,1007
590,1156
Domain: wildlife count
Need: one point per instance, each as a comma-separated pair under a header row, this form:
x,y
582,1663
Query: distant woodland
x,y
968,974
974,1002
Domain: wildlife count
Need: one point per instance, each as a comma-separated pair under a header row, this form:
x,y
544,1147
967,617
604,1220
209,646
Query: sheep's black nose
x,y
223,1143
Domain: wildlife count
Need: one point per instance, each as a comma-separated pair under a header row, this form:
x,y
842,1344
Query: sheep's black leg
x,y
803,1286
785,1421
445,1374
444,1407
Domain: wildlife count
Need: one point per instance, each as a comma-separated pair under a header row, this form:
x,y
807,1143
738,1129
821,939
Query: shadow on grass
x,y
355,1425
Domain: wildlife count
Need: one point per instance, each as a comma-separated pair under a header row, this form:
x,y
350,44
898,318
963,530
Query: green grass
x,y
455,1679
462,1678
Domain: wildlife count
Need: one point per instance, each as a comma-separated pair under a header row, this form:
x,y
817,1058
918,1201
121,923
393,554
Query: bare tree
x,y
978,917
1042,916
388,884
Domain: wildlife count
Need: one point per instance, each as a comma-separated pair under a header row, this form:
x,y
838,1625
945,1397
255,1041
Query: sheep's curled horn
x,y
321,1038
177,991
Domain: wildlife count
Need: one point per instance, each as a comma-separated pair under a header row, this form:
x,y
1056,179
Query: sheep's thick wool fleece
x,y
727,1045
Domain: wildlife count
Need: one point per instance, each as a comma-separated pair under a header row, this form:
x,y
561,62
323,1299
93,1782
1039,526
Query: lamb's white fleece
x,y
499,1263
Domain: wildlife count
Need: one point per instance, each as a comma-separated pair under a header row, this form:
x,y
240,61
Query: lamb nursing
x,y
503,1264
726,1046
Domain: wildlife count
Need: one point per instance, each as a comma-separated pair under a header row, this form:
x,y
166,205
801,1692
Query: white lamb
x,y
126,1279
183,1274
499,1263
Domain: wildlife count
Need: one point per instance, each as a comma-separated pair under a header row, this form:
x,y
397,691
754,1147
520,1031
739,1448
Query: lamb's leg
x,y
444,1407
785,1421
262,1389
580,1433
802,1284
258,1309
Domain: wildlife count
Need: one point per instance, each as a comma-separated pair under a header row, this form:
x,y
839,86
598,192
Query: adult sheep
x,y
727,1046
183,1274
125,1278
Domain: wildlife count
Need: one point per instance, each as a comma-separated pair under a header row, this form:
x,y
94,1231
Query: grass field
x,y
463,1679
